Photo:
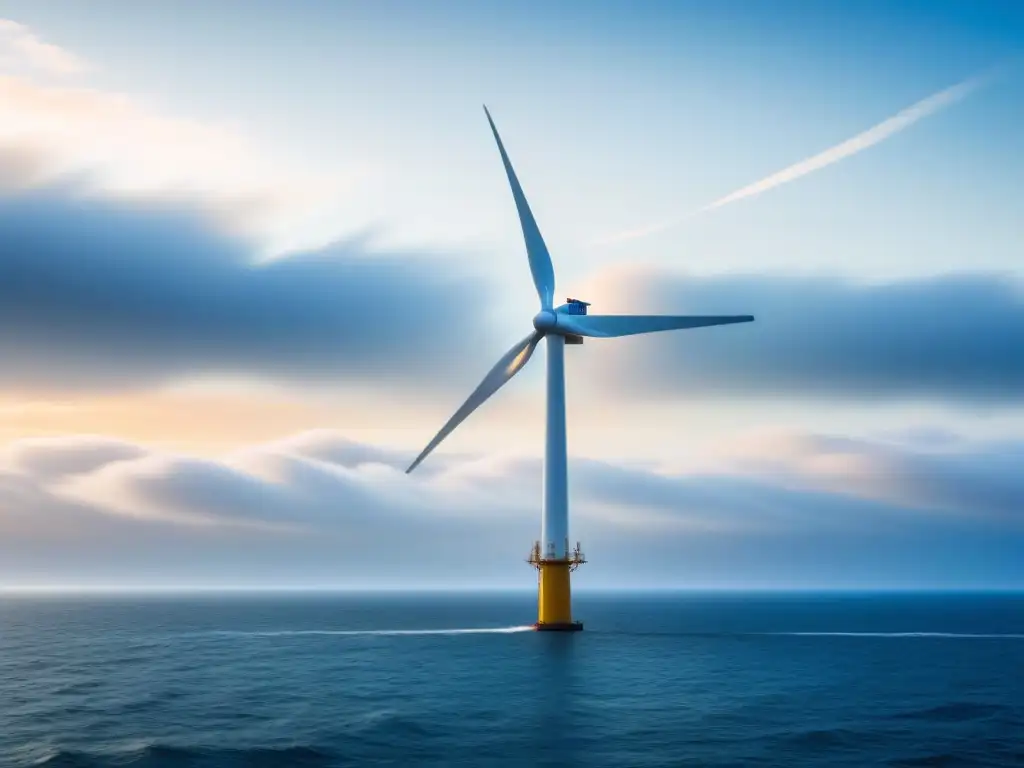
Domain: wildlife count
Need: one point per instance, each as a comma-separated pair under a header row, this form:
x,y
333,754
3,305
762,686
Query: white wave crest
x,y
370,632
951,635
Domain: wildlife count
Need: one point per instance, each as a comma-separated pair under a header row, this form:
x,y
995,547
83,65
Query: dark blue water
x,y
704,680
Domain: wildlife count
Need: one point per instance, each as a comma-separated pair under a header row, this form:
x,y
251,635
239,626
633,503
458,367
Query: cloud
x,y
953,338
20,46
115,145
321,509
117,295
113,296
134,249
956,477
24,168
48,458
181,490
852,146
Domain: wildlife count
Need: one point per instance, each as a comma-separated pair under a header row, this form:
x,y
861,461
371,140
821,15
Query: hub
x,y
545,321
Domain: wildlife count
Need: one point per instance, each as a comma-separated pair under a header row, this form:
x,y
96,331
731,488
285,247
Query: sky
x,y
252,256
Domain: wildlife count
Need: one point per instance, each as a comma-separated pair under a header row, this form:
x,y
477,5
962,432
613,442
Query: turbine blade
x,y
536,250
510,364
610,326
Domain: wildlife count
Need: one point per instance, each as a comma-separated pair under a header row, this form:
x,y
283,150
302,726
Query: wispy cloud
x,y
20,46
118,145
869,138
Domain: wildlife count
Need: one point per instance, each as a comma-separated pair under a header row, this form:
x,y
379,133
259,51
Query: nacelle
x,y
574,307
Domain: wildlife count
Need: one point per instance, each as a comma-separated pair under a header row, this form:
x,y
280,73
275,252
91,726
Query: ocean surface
x,y
454,680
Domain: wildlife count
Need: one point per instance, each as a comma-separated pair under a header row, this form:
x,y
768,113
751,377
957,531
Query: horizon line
x,y
40,589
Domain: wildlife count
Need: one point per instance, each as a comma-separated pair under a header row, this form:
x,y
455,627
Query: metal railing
x,y
575,559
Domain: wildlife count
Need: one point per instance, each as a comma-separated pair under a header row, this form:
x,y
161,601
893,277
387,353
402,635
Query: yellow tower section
x,y
554,594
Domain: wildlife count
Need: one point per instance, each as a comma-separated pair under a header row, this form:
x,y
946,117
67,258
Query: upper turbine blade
x,y
610,326
540,259
509,365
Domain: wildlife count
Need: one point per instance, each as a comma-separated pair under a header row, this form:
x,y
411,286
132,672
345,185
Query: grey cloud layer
x,y
953,337
117,295
318,508
113,295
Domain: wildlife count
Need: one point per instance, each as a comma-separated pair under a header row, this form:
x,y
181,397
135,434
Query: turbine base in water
x,y
573,626
554,593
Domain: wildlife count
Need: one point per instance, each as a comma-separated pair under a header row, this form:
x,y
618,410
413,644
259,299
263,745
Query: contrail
x,y
874,135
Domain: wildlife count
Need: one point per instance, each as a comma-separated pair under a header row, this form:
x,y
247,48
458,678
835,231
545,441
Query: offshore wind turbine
x,y
568,323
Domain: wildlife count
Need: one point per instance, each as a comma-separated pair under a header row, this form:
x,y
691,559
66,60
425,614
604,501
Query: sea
x,y
311,680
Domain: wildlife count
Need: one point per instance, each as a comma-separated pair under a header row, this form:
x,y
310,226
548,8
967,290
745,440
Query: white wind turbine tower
x,y
558,326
